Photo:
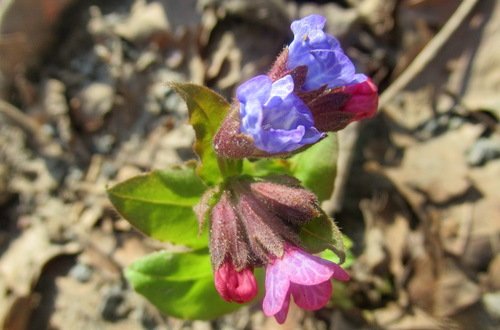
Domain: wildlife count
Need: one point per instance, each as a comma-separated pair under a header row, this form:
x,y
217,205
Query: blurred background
x,y
84,103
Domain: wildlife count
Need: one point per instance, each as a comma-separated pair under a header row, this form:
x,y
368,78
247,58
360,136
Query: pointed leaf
x,y
207,110
322,233
160,204
316,167
349,256
179,284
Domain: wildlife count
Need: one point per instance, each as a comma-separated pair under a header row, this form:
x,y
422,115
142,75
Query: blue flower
x,y
311,89
322,55
274,116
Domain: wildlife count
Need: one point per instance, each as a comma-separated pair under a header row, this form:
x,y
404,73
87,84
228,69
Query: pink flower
x,y
302,275
233,285
364,99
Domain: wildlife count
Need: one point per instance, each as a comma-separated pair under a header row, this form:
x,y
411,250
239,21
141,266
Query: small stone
x,y
104,143
91,104
144,21
494,273
113,307
484,150
81,272
491,302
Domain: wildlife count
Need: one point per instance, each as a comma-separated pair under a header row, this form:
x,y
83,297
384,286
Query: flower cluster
x,y
312,88
255,223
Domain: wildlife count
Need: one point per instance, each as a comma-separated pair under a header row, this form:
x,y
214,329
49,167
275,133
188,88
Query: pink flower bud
x,y
235,286
364,99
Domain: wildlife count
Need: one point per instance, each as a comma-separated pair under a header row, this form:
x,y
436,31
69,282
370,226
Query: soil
x,y
84,104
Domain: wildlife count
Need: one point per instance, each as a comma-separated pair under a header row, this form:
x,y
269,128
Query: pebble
x,y
484,150
81,272
112,307
491,302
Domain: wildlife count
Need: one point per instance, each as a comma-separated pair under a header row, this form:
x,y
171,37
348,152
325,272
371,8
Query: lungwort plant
x,y
251,202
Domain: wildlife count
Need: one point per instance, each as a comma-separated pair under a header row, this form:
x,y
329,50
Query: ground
x,y
84,104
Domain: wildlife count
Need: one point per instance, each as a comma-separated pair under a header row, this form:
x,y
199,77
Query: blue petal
x,y
256,88
280,123
326,62
311,22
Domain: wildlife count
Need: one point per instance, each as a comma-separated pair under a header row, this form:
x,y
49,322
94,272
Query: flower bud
x,y
235,286
294,204
254,218
256,223
363,99
226,234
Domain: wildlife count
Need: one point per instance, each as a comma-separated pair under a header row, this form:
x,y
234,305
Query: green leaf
x,y
160,204
266,166
179,284
349,256
207,110
316,167
322,233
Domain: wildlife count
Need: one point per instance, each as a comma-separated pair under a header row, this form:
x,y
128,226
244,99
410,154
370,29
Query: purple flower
x,y
301,275
312,88
274,116
322,55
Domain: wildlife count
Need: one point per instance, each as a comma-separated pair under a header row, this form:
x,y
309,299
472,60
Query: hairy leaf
x,y
316,167
322,233
160,204
207,110
179,284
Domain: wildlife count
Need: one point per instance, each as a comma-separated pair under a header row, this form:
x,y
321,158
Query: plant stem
x,y
230,167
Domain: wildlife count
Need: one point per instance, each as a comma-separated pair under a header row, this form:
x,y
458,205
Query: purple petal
x,y
281,89
321,53
252,115
339,273
277,289
258,88
283,313
281,122
304,25
312,297
306,269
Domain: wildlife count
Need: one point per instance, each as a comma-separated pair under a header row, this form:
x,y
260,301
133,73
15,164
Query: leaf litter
x,y
88,105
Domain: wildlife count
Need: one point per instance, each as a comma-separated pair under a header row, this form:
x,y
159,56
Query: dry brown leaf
x,y
145,20
454,291
393,317
436,169
482,83
494,274
22,264
396,236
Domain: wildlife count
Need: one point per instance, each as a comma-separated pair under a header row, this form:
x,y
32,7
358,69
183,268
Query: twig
x,y
350,135
428,53
17,116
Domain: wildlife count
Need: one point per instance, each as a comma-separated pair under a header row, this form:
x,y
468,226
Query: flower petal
x,y
258,88
280,123
304,25
321,53
312,297
277,290
283,313
233,285
306,269
364,99
280,89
